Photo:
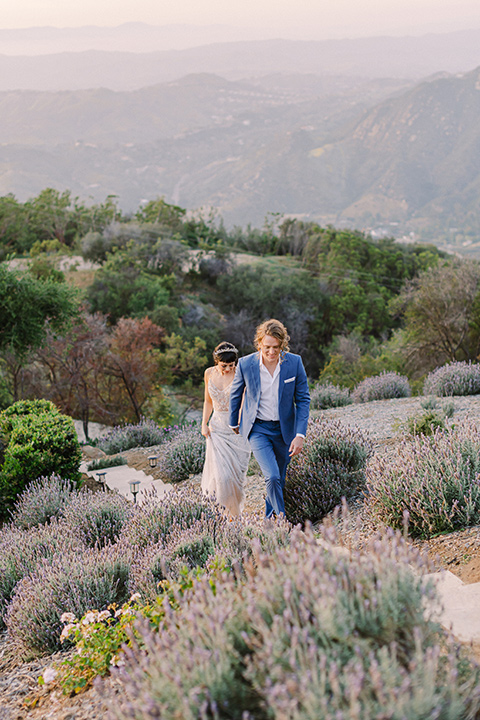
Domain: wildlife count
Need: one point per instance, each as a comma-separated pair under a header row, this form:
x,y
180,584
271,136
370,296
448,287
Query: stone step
x,y
460,611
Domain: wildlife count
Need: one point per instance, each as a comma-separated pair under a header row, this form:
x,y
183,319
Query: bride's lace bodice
x,y
220,398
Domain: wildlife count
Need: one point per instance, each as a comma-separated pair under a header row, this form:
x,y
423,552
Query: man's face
x,y
270,348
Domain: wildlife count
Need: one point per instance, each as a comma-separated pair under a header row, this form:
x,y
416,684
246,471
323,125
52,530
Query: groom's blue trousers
x,y
271,453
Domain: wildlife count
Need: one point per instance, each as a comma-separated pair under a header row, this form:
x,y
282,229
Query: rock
x,y
93,453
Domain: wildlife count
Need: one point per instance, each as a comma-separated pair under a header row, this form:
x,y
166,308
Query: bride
x,y
227,454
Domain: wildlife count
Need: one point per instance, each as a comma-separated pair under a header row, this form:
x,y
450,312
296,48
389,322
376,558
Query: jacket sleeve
x,y
236,394
302,400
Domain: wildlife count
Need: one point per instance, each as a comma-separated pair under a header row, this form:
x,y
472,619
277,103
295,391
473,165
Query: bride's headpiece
x,y
224,348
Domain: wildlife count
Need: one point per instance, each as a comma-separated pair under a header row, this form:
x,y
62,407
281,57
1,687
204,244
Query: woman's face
x,y
226,368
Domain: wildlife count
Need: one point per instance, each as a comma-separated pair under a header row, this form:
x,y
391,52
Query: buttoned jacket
x,y
293,395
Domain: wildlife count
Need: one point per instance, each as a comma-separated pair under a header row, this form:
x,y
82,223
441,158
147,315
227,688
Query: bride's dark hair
x,y
225,352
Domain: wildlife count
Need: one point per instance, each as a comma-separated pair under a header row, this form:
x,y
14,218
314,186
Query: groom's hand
x,y
296,445
236,430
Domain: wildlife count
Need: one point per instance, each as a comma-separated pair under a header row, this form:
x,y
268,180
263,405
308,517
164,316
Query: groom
x,y
276,401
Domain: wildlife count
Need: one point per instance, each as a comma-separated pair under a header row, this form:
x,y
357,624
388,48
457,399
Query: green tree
x,y
27,304
123,289
56,215
162,213
15,233
441,312
182,360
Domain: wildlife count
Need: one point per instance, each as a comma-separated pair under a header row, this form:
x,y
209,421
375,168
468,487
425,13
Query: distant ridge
x,y
399,57
127,37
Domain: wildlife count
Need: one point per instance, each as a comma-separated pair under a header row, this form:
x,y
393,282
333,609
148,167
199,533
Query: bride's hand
x,y
205,430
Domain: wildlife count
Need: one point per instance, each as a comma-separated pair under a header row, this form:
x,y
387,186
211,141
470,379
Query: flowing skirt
x,y
226,463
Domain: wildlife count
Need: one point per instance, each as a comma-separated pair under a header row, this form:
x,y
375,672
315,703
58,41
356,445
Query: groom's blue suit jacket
x,y
293,395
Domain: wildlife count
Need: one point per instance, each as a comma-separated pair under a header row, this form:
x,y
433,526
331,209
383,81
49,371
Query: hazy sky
x,y
287,18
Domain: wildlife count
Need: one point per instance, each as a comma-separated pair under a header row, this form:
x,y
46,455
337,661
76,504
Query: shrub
x,y
434,480
107,462
381,387
153,520
10,415
327,395
40,442
183,455
456,378
309,634
145,434
425,424
72,582
330,467
21,552
97,518
98,638
42,500
205,542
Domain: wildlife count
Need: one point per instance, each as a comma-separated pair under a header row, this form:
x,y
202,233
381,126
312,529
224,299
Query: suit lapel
x,y
284,372
255,375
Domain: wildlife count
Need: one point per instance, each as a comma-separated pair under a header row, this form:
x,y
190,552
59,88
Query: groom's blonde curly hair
x,y
275,329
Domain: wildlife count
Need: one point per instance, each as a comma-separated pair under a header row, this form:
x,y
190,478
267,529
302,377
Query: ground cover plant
x,y
330,467
328,395
310,632
455,378
382,387
433,481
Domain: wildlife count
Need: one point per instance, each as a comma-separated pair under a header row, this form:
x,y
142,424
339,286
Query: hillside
x,y
200,141
386,156
413,160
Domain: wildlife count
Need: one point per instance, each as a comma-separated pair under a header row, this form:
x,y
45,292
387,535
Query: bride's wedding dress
x,y
226,456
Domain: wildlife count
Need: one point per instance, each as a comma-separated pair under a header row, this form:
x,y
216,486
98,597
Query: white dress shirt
x,y
268,405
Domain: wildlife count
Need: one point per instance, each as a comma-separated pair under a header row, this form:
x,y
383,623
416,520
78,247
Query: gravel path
x,y
381,419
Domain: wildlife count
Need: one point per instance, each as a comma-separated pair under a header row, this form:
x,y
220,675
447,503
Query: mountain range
x,y
94,67
321,131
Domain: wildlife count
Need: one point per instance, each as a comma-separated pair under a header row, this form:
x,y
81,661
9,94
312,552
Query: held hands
x,y
236,430
296,445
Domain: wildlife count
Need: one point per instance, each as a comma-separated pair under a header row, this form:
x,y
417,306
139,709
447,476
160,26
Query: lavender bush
x,y
434,480
97,518
183,455
328,395
382,387
22,551
189,549
71,582
145,434
330,467
153,520
456,378
310,633
206,542
42,500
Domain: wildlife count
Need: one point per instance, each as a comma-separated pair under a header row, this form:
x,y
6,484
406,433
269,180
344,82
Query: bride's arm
x,y
207,406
